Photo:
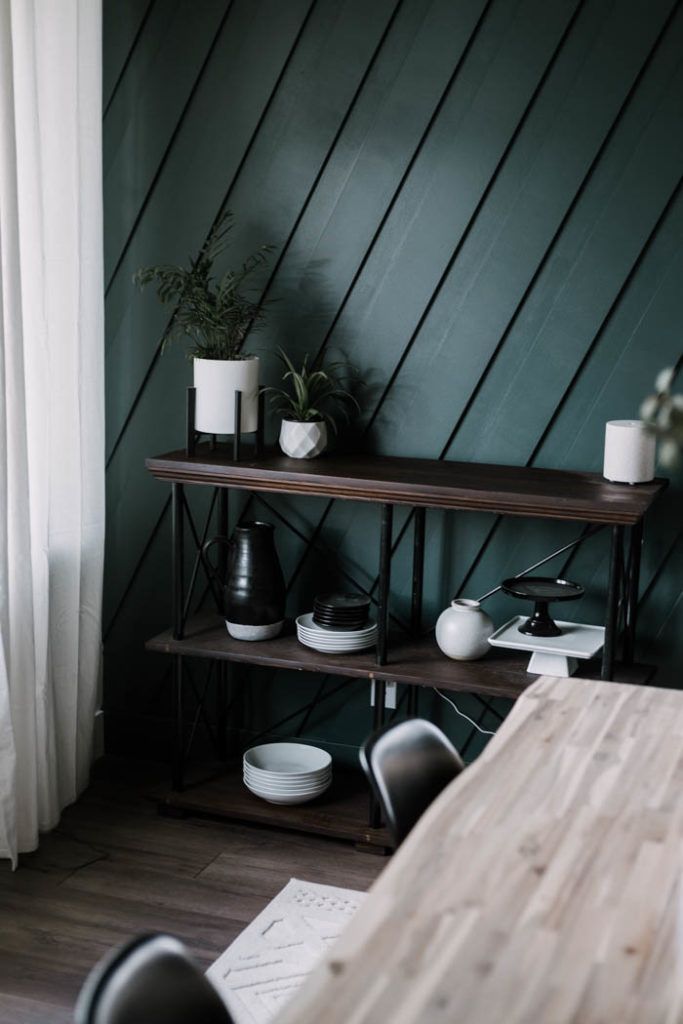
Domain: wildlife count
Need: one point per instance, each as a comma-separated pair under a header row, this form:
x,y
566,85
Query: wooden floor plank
x,y
114,868
22,1010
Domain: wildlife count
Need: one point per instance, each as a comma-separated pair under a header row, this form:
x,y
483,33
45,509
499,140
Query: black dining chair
x,y
150,980
408,765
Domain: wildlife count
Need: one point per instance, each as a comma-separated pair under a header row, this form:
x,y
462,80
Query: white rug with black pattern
x,y
274,955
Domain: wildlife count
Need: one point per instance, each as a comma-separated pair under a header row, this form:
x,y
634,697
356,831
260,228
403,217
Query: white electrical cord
x,y
462,714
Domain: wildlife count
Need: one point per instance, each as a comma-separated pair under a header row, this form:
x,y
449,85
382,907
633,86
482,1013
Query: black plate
x,y
342,601
333,613
344,623
322,613
345,613
542,588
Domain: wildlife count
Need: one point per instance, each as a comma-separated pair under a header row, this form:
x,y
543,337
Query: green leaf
x,y
320,391
216,318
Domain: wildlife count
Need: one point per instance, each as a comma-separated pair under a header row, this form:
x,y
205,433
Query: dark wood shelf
x,y
427,483
500,673
340,813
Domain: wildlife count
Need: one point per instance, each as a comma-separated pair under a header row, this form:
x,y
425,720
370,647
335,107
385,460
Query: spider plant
x,y
320,391
214,314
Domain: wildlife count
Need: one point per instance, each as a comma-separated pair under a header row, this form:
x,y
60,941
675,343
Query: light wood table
x,y
541,886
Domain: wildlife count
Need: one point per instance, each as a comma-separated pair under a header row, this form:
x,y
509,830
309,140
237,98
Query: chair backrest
x,y
408,765
150,980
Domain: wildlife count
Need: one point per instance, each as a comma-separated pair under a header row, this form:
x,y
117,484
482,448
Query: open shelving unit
x,y
412,659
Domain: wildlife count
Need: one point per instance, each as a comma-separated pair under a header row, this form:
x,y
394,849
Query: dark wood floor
x,y
114,868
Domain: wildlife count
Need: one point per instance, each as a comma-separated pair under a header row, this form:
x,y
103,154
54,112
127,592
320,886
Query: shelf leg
x,y
223,527
177,769
260,431
237,690
631,592
416,599
384,583
613,602
375,818
178,559
222,710
378,710
418,571
191,437
237,436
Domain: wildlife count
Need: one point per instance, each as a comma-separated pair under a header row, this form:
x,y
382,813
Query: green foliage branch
x,y
663,414
215,315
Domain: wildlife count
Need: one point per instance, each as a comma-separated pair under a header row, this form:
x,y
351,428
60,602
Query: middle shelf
x,y
500,673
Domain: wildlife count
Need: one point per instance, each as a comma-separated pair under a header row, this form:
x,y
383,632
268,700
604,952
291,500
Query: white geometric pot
x,y
303,440
216,381
463,630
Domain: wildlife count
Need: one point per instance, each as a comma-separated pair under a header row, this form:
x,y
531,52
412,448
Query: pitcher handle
x,y
215,581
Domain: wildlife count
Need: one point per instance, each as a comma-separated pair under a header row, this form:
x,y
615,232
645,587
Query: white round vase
x,y
303,440
463,630
216,381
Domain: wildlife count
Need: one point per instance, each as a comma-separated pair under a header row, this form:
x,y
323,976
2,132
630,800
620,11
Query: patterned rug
x,y
274,955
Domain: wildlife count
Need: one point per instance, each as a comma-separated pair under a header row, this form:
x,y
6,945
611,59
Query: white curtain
x,y
51,409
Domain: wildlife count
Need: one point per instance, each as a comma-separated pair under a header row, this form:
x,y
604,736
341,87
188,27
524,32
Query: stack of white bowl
x,y
287,773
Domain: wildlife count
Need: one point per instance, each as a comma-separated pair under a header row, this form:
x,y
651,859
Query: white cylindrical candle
x,y
629,452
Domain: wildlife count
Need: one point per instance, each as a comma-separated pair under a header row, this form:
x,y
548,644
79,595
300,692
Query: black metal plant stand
x,y
193,435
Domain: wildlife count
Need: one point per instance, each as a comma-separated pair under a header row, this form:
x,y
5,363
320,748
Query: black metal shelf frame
x,y
620,617
181,596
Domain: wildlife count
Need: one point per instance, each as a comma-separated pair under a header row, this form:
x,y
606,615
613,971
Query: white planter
x,y
463,630
216,381
303,440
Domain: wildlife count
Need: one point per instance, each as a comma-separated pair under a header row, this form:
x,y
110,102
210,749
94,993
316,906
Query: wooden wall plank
x,y
376,150
144,115
605,239
418,240
472,319
121,24
179,214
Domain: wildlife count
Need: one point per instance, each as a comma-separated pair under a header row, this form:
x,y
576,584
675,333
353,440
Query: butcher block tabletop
x,y
543,885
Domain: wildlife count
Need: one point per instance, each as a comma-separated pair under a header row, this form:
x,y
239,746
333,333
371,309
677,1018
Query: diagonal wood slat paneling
x,y
478,201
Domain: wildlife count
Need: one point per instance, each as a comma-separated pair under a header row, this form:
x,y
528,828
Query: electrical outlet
x,y
390,689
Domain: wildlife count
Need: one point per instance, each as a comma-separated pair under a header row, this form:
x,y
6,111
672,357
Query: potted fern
x,y
309,401
215,316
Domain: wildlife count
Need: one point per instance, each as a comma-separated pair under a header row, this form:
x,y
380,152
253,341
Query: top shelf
x,y
429,483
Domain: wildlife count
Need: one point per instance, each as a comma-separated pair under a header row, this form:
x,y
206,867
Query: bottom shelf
x,y
341,813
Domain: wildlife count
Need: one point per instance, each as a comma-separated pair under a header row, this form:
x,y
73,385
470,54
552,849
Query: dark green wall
x,y
479,202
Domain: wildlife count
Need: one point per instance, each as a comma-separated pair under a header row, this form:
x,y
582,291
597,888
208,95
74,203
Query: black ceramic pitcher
x,y
253,594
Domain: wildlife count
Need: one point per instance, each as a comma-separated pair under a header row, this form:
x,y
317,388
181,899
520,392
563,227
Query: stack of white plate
x,y
334,641
287,773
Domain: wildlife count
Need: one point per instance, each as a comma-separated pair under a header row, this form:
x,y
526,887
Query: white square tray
x,y
577,640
